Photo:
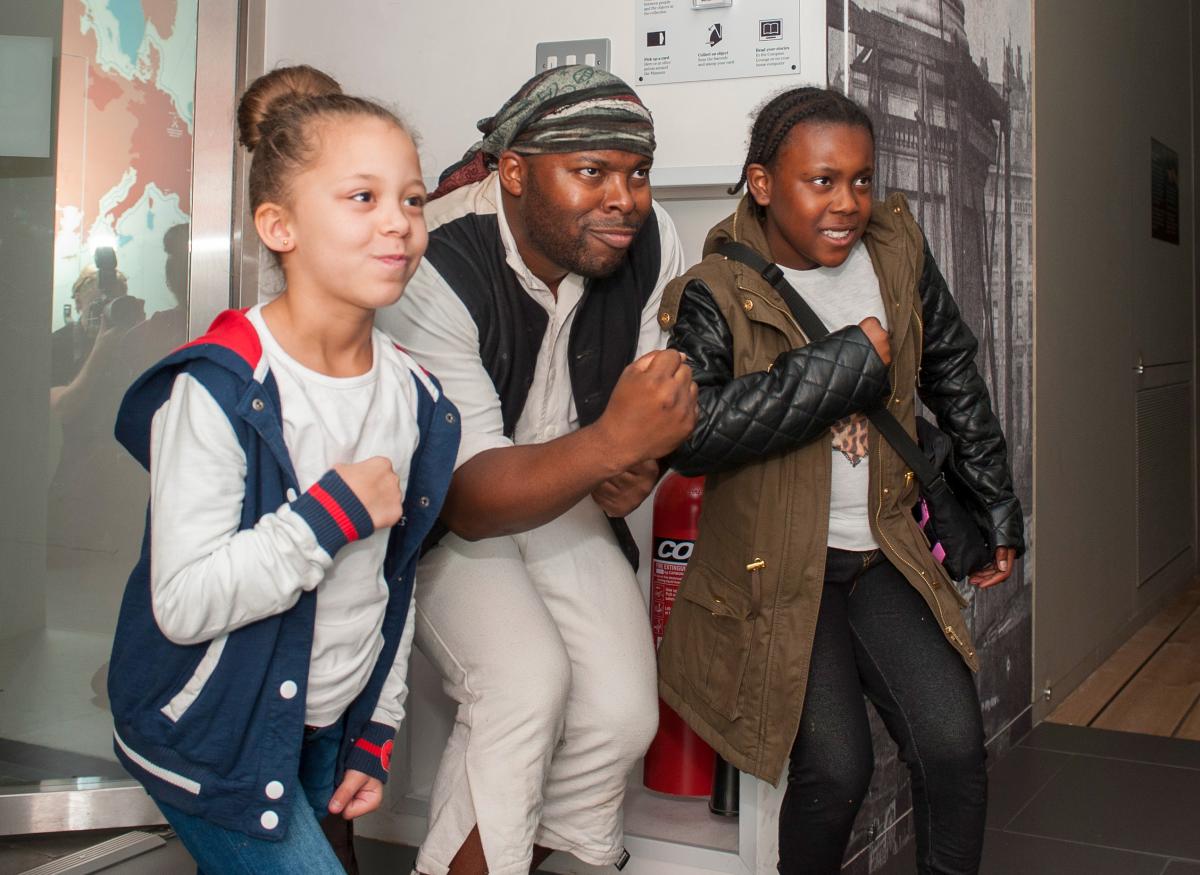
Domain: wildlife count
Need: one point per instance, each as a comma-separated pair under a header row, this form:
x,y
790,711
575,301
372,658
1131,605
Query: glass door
x,y
99,162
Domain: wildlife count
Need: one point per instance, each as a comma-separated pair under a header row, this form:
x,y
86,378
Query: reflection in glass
x,y
95,244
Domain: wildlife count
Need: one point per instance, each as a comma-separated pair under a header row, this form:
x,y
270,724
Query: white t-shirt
x,y
329,421
841,296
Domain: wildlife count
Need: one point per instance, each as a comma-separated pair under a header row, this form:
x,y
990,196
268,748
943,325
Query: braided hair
x,y
795,106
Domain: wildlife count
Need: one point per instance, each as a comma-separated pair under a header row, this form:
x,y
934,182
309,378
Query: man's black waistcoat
x,y
469,254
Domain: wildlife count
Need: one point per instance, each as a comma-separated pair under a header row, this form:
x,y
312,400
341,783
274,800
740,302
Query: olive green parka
x,y
735,656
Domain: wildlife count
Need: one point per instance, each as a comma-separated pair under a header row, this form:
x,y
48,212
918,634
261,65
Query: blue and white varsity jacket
x,y
232,755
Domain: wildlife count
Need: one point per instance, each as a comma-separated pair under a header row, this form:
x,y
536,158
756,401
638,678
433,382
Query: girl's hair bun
x,y
278,120
272,93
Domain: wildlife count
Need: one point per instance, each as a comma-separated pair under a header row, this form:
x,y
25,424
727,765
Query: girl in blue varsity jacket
x,y
297,459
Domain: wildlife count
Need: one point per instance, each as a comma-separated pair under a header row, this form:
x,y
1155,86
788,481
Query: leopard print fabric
x,y
850,437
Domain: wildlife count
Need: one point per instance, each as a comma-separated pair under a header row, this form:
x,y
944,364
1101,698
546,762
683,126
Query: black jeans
x,y
876,635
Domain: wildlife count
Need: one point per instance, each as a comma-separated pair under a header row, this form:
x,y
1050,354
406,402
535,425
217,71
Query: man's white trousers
x,y
543,640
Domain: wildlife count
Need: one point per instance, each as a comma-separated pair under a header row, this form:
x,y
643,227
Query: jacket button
x,y
423,501
896,210
274,790
664,319
288,689
450,418
747,305
269,820
291,495
257,405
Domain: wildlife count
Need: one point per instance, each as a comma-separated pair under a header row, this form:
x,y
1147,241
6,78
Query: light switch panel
x,y
593,52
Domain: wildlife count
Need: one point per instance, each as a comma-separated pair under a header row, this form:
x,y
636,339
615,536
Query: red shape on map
x,y
102,90
161,13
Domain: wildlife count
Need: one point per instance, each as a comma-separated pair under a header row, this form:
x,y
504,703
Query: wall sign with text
x,y
677,42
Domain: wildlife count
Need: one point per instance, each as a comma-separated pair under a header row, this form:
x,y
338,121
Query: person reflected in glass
x,y
151,339
93,480
103,312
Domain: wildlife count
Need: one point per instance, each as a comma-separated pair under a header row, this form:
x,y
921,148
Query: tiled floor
x,y
1066,800
1076,801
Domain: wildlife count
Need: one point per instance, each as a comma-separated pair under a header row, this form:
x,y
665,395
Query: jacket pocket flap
x,y
717,596
715,621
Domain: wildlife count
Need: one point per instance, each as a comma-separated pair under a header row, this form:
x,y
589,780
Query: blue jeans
x,y
876,636
304,850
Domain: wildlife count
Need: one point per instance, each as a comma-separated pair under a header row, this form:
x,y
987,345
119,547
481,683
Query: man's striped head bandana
x,y
564,109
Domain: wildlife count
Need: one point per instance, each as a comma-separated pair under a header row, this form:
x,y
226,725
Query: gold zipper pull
x,y
756,565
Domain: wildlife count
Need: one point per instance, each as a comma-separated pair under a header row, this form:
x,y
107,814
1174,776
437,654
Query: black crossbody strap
x,y
810,323
888,426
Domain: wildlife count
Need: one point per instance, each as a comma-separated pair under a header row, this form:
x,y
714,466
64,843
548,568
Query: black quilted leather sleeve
x,y
954,391
769,412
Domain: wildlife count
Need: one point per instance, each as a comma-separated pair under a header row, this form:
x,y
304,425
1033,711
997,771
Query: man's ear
x,y
758,183
513,170
274,227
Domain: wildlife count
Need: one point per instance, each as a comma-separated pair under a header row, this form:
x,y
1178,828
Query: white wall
x,y
694,216
447,64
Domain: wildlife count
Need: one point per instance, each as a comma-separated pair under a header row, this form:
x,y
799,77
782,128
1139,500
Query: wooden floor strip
x,y
1103,686
1189,632
1191,724
1158,699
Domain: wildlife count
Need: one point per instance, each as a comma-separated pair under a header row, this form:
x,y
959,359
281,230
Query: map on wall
x,y
124,139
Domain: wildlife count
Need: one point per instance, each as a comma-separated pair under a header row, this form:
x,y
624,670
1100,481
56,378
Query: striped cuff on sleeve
x,y
372,753
334,513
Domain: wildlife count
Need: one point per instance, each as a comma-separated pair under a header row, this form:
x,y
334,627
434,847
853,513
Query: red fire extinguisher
x,y
678,761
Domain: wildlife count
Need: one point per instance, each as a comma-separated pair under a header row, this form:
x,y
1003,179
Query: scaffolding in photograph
x,y
944,137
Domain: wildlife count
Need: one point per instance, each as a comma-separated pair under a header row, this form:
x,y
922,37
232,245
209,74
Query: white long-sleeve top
x,y
208,578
